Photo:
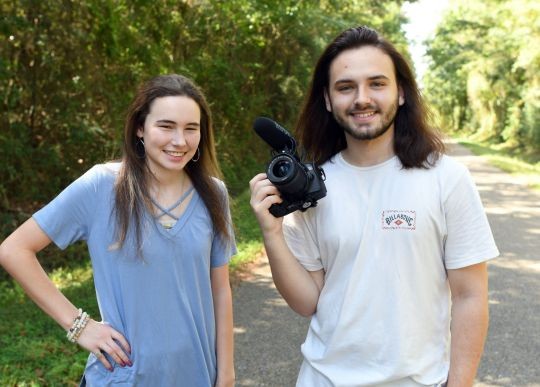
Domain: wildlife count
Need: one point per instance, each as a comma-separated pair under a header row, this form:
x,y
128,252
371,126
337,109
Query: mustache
x,y
360,108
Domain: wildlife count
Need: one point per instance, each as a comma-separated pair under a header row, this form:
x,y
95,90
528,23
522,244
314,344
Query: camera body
x,y
300,184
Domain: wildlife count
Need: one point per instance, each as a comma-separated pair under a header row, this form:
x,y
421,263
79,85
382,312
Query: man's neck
x,y
366,153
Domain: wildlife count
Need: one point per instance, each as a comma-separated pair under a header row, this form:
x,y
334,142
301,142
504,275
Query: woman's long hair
x,y
132,193
415,143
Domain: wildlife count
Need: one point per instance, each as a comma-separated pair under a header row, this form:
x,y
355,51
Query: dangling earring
x,y
198,156
139,148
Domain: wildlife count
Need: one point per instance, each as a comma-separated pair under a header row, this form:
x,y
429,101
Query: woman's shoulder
x,y
101,173
220,184
221,188
105,169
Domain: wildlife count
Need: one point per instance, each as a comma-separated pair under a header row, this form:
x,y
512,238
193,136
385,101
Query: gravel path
x,y
268,334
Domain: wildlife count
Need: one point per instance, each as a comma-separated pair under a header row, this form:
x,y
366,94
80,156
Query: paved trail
x,y
268,334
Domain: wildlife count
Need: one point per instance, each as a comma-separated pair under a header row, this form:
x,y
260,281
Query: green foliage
x,y
69,69
484,78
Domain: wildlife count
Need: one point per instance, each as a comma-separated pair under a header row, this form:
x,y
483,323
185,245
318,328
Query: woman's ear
x,y
140,132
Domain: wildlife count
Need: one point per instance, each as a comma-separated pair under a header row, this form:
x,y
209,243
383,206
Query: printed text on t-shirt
x,y
399,219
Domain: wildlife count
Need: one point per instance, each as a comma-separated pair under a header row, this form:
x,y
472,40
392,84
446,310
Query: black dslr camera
x,y
300,184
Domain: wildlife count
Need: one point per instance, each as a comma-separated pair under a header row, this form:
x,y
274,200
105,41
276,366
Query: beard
x,y
370,132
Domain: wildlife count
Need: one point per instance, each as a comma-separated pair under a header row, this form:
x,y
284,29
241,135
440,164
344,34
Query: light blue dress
x,y
161,302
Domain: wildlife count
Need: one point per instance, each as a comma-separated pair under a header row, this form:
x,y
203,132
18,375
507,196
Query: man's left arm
x,y
469,287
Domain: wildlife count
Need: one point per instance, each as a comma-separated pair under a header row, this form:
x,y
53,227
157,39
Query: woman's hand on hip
x,y
101,339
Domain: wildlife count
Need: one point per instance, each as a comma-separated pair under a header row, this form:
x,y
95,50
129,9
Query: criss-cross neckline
x,y
168,211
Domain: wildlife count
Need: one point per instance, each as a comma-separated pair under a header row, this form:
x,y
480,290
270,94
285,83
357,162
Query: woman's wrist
x,y
78,325
225,378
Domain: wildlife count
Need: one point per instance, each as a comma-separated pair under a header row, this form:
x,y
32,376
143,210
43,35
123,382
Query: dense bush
x,y
484,77
69,69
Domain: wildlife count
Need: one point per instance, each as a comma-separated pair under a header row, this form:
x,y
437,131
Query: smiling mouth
x,y
363,114
175,154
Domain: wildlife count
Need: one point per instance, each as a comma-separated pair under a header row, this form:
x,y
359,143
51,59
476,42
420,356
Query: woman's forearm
x,y
18,257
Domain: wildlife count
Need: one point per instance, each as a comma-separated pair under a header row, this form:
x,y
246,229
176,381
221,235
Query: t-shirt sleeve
x,y
299,232
67,218
222,248
469,239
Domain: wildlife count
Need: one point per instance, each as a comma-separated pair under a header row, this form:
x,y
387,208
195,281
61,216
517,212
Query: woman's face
x,y
171,134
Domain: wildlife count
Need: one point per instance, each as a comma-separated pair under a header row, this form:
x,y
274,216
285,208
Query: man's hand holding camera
x,y
299,184
263,195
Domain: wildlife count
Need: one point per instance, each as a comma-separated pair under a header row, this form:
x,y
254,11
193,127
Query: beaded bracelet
x,y
79,323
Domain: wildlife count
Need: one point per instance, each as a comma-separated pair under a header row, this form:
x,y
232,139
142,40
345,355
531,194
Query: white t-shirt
x,y
385,237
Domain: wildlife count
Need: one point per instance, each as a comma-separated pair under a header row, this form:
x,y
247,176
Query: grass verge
x,y
248,235
525,167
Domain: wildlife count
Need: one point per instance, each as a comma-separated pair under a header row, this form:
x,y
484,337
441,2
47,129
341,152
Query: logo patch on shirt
x,y
400,220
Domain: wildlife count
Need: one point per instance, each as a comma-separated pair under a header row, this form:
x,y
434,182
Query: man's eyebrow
x,y
378,77
371,78
345,80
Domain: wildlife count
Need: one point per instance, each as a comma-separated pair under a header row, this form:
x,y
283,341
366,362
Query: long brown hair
x,y
132,189
415,143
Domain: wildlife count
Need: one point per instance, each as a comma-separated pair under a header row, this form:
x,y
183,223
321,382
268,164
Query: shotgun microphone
x,y
274,135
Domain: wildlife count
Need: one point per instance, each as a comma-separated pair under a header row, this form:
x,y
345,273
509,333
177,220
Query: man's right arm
x,y
298,286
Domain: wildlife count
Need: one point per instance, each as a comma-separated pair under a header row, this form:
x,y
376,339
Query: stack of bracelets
x,y
79,323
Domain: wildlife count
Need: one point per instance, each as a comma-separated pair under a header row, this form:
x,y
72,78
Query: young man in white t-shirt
x,y
391,265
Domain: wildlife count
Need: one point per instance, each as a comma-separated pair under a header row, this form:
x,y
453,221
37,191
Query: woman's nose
x,y
178,137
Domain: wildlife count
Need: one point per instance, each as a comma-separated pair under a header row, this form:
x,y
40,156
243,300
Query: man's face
x,y
363,94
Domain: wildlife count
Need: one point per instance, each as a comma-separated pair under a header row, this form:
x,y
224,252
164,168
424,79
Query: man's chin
x,y
363,132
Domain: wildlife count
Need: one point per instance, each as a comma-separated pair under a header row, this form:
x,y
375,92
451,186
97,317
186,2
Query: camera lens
x,y
281,168
288,175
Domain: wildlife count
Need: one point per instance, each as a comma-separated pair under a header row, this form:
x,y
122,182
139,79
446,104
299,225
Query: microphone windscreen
x,y
274,134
